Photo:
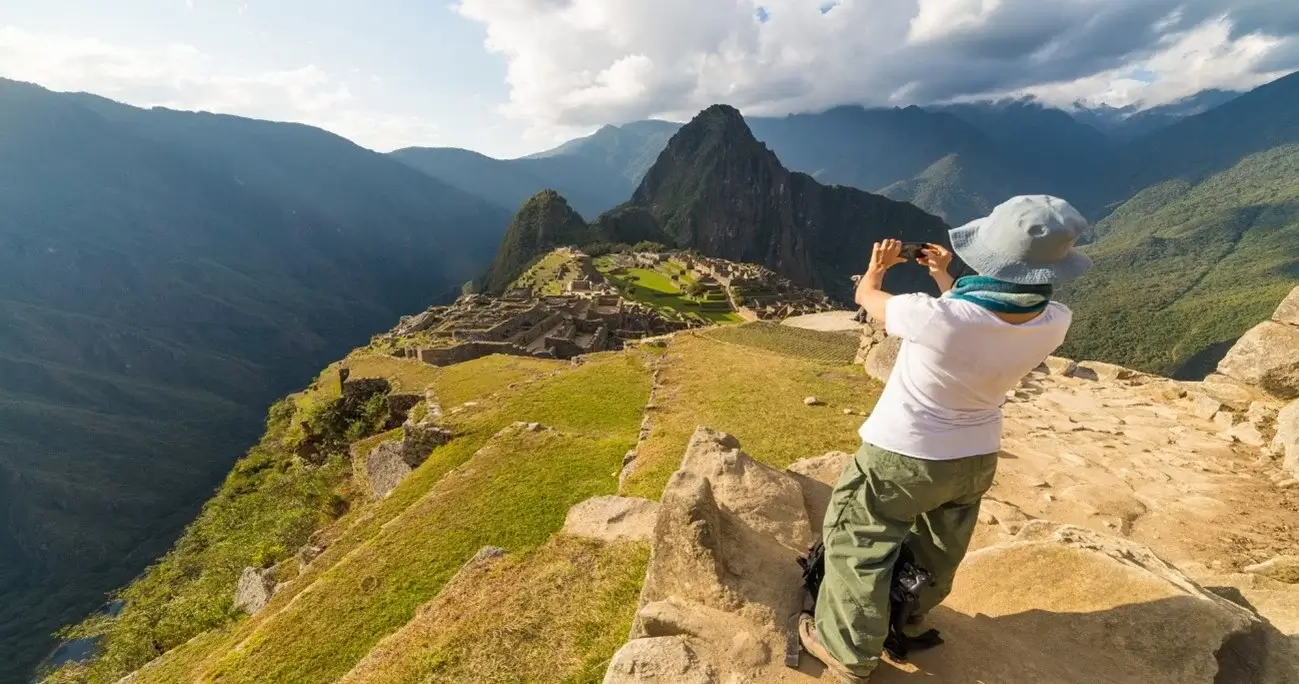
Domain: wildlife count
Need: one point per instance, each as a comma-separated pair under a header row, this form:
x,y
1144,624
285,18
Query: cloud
x,y
581,63
180,76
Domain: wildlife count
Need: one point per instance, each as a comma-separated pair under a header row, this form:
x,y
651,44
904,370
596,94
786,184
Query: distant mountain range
x,y
716,189
956,161
163,276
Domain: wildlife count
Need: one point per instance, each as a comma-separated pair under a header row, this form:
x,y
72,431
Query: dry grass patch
x,y
753,394
556,615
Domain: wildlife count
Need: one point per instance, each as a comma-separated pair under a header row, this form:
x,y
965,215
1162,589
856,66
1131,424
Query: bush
x,y
649,246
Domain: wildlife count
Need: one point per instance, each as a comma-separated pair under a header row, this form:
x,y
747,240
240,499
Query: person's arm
x,y
870,289
937,258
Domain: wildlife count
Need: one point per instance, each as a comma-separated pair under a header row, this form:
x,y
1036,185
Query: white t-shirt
x,y
957,361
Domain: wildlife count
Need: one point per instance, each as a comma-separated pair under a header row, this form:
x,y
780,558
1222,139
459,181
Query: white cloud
x,y
1199,59
581,63
181,77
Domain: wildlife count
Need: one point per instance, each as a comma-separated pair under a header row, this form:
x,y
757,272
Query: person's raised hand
x,y
885,255
936,257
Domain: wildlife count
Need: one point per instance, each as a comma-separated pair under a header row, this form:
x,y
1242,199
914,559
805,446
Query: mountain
x,y
595,172
1201,145
1185,268
1202,242
717,189
1129,122
510,182
629,149
544,222
163,276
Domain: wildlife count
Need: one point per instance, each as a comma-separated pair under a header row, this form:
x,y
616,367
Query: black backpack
x,y
908,577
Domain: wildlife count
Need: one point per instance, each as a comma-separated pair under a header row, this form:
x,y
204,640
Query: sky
x,y
512,77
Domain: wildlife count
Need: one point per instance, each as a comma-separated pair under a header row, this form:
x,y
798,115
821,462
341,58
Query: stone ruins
x,y
591,315
520,324
754,289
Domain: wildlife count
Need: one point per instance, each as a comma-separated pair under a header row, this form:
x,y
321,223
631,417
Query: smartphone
x,y
912,250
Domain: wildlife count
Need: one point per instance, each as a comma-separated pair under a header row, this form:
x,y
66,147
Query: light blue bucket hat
x,y
1028,240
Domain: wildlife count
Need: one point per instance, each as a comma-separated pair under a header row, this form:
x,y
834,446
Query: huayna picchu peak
x,y
719,191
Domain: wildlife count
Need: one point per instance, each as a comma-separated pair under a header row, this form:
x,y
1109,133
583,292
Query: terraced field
x,y
656,288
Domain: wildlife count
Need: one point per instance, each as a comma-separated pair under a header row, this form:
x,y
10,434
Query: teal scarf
x,y
1000,296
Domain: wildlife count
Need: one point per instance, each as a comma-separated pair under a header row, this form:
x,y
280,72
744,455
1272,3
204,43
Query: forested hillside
x,y
163,277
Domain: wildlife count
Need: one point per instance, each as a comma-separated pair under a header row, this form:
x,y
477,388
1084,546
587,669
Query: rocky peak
x,y
717,189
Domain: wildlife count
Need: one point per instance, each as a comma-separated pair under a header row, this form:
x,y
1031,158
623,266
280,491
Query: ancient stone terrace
x,y
519,324
759,289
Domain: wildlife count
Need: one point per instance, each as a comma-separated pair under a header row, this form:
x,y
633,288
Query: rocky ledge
x,y
1052,603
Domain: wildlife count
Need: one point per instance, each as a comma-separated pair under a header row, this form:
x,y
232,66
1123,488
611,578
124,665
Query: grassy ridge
x,y
300,635
264,511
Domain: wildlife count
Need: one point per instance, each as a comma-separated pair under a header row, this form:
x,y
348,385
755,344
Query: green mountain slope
x,y
163,276
627,150
947,190
1215,140
1183,269
372,606
593,186
544,222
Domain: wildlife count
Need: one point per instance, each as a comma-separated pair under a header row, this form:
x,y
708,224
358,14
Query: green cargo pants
x,y
882,500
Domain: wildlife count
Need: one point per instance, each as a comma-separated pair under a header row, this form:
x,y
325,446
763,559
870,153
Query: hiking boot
x,y
811,644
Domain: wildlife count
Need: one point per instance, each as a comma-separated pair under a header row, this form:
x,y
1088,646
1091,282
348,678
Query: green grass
x,y
544,277
554,615
269,505
655,288
413,539
753,394
816,345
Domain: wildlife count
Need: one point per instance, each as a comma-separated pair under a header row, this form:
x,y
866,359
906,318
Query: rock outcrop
x,y
254,591
1038,601
391,462
877,351
1268,355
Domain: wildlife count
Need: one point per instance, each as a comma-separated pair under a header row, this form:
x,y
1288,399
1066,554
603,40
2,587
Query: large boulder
x,y
723,569
881,358
817,477
1288,311
385,468
1267,357
391,462
254,590
1056,605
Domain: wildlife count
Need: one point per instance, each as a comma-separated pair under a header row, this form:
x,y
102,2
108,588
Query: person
x,y
929,449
